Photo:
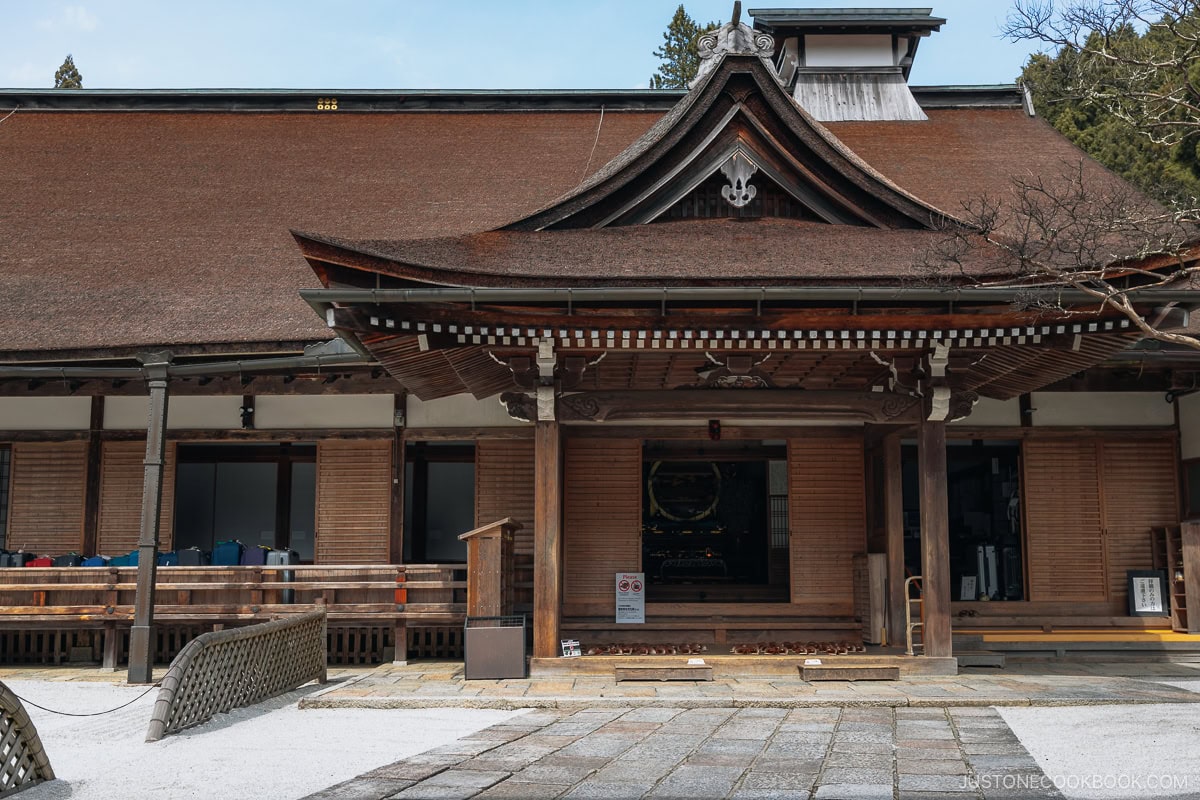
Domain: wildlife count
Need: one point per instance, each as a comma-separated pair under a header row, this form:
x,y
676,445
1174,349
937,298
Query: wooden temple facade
x,y
705,357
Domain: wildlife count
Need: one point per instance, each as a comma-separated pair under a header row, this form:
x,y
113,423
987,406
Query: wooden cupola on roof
x,y
849,63
738,145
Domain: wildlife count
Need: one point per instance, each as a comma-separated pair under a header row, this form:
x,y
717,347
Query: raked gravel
x,y
271,750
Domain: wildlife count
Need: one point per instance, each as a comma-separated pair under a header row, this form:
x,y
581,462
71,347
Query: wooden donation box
x,y
490,568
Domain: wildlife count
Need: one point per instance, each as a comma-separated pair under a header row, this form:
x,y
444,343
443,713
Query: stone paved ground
x,y
660,753
429,684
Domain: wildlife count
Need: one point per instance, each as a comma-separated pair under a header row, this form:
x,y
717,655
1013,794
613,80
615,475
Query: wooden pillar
x,y
400,636
396,540
91,503
1190,550
893,515
547,539
141,652
935,537
112,648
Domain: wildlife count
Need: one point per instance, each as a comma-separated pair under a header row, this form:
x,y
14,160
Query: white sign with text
x,y
631,597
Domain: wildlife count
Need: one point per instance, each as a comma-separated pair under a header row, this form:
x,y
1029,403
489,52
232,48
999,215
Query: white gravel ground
x,y
1126,752
272,750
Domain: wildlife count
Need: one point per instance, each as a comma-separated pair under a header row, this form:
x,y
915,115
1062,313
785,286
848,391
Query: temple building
x,y
683,335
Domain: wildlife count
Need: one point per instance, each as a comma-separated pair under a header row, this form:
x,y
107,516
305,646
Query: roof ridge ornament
x,y
733,38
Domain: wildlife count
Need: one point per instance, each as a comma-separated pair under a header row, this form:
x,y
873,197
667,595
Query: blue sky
x,y
405,44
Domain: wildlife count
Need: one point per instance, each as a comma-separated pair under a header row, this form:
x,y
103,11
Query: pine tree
x,y
68,76
679,56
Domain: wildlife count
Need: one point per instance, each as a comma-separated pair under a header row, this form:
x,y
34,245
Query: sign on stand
x,y
631,597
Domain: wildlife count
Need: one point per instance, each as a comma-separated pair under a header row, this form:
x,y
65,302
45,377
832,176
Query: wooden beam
x,y
466,434
935,537
711,403
893,514
547,539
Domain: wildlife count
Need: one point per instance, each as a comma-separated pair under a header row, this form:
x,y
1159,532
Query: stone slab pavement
x,y
431,684
658,753
591,737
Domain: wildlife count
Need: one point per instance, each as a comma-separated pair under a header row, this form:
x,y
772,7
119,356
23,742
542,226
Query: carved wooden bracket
x,y
520,406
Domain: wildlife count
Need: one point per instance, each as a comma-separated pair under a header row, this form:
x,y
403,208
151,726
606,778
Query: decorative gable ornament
x,y
738,169
734,38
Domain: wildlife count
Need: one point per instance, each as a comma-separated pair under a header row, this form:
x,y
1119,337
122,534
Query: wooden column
x,y
396,546
91,503
547,539
893,512
935,537
1190,549
141,651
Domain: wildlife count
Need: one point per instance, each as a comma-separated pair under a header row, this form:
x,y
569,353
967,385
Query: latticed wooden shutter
x,y
602,526
504,486
122,473
1063,520
1140,492
354,501
828,517
49,484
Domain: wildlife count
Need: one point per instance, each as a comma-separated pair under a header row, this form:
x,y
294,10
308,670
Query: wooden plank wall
x,y
602,528
1090,504
828,518
504,486
1140,493
122,474
49,485
354,491
1063,519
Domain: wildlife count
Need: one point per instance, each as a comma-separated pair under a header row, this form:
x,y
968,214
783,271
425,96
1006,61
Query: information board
x,y
631,597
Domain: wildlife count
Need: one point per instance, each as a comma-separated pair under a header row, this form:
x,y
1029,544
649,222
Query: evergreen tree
x,y
68,76
1166,167
678,53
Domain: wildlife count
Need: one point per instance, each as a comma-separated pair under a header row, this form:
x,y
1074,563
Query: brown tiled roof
x,y
694,252
135,229
122,230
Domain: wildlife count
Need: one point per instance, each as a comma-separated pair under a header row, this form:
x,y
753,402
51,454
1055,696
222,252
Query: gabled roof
x,y
736,113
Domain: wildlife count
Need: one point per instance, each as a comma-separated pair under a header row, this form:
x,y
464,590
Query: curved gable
x,y
739,124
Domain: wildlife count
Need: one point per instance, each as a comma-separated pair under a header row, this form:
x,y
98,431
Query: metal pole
x,y
141,654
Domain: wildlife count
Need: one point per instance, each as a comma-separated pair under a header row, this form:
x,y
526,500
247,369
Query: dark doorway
x,y
714,522
983,487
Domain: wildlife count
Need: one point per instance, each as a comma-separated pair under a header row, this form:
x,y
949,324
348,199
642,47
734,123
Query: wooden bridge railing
x,y
352,594
23,760
229,669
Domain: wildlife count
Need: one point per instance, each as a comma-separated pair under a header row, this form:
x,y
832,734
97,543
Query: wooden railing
x,y
230,669
393,597
423,593
23,760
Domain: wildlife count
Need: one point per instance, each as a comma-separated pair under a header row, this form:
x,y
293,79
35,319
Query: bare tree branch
x,y
1071,231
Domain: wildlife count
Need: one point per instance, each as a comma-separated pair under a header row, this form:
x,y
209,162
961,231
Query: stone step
x,y
979,658
671,673
837,672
